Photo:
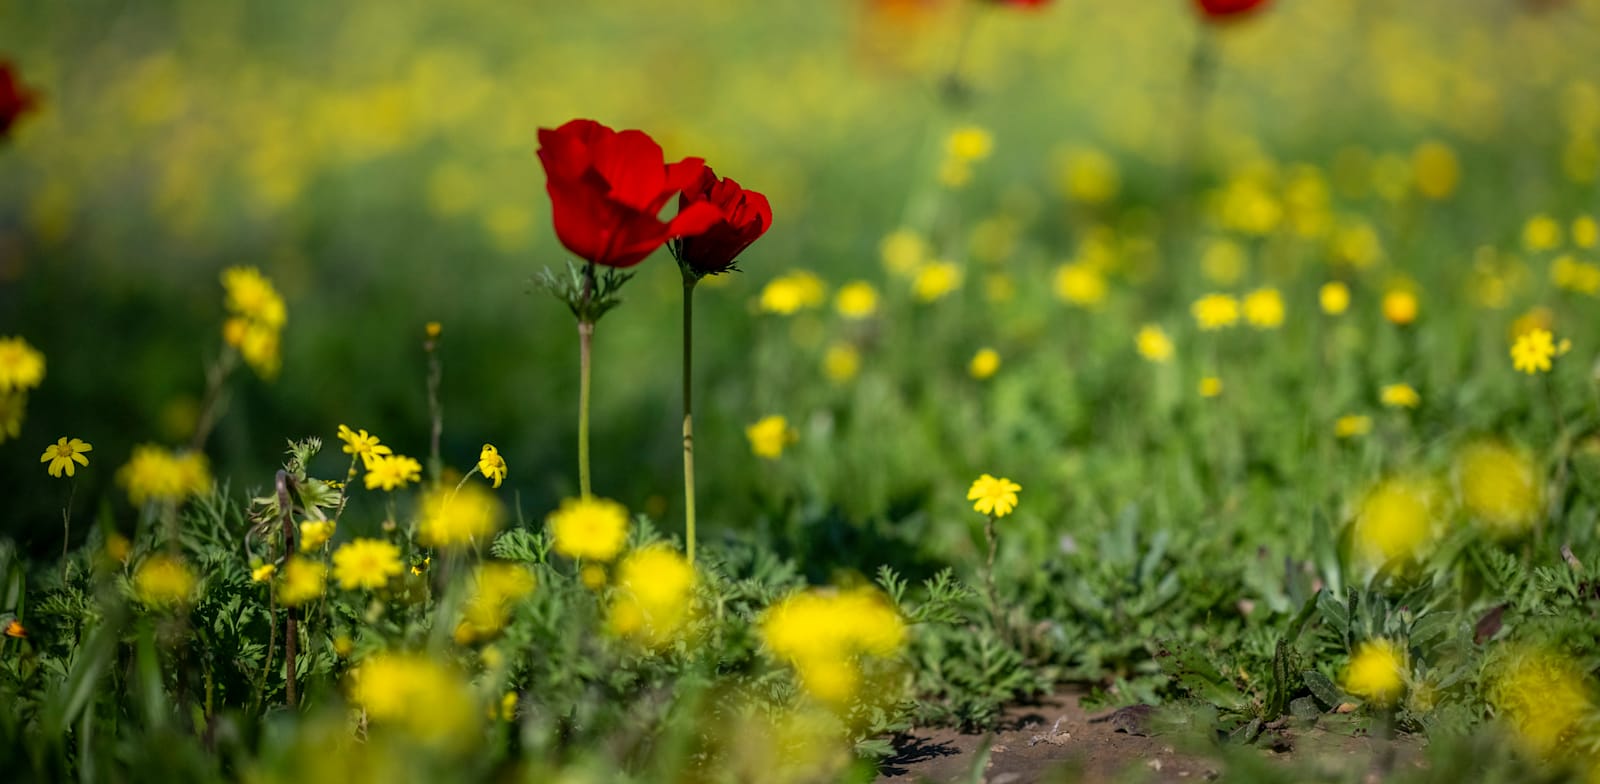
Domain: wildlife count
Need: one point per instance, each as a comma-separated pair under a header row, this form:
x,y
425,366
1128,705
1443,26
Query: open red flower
x,y
1224,9
744,216
607,189
15,100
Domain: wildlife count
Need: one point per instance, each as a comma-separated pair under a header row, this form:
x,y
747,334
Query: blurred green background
x,y
377,161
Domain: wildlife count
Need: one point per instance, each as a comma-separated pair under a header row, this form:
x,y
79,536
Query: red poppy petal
x,y
695,218
632,163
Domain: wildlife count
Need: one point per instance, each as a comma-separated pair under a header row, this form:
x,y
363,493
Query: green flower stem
x,y
988,577
688,411
585,346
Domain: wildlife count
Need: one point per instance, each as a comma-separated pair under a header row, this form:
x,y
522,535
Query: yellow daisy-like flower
x,y
163,581
984,364
1080,283
969,143
452,517
63,454
1501,487
491,464
314,534
592,528
303,581
788,294
1400,307
1215,311
769,435
1399,396
654,596
1334,298
856,300
1541,232
496,589
1153,343
1533,350
263,573
366,563
1352,425
21,365
903,251
1376,672
993,496
936,280
1263,308
425,698
1210,386
1545,696
390,472
12,407
1585,231
251,295
362,444
157,474
1395,519
841,362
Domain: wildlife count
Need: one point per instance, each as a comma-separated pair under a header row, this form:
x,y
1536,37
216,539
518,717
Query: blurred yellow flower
x,y
1153,343
1545,696
1215,311
263,573
1376,672
360,444
1334,297
993,496
769,435
856,300
1399,396
496,589
366,563
157,474
1437,170
1263,308
935,280
314,534
12,407
491,464
903,251
841,362
304,581
1541,232
1532,351
955,173
163,581
1352,425
251,295
1210,386
788,294
824,634
1585,231
63,454
21,365
1080,283
1395,519
589,528
969,143
1400,306
453,517
653,598
984,364
1578,277
1357,244
1223,262
391,472
423,697
1500,488
1089,176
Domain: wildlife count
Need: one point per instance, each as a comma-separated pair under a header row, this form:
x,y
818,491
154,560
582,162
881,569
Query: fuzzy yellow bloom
x,y
304,581
362,444
1532,351
769,435
1585,231
1263,308
1089,176
1376,672
1210,386
593,576
63,454
654,595
1357,244
1080,283
984,364
157,474
1153,344
1399,396
856,300
425,698
993,496
451,517
491,464
366,563
1352,425
433,330
21,365
1500,488
1578,277
1215,311
314,534
163,582
391,472
12,407
1545,696
969,143
251,295
936,280
496,589
1395,520
1334,297
841,362
590,528
1223,262
1400,306
1541,232
263,573
824,635
903,251
788,294
1436,169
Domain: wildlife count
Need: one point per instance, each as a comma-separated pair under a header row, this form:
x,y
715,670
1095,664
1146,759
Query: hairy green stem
x,y
585,341
688,411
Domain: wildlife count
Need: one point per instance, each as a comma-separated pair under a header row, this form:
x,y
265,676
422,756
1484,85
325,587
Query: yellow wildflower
x,y
314,534
590,528
21,365
366,563
1500,487
1400,306
1223,262
496,588
856,300
1376,672
1089,176
769,435
1080,283
841,362
423,697
1437,170
788,294
654,595
984,364
823,635
304,580
251,295
433,330
1334,298
993,496
1153,343
263,573
362,445
969,143
491,464
1540,233
63,454
903,251
1399,396
1210,386
1357,244
15,630
1352,425
157,474
1215,311
1545,696
163,582
389,472
936,280
1263,308
1532,351
453,517
12,407
1395,520
1579,277
1585,231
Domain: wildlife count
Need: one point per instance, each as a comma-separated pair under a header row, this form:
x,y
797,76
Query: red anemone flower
x,y
1227,9
744,215
1021,3
15,100
607,189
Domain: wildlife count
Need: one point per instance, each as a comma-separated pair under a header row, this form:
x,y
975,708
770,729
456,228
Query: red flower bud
x,y
744,216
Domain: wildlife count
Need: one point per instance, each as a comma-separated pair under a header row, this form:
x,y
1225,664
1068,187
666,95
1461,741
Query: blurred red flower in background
x,y
607,189
15,100
1224,9
745,216
1021,3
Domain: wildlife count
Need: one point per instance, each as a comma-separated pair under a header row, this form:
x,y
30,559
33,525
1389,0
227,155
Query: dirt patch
x,y
1057,740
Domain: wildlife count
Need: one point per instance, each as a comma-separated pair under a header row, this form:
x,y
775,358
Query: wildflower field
x,y
800,391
